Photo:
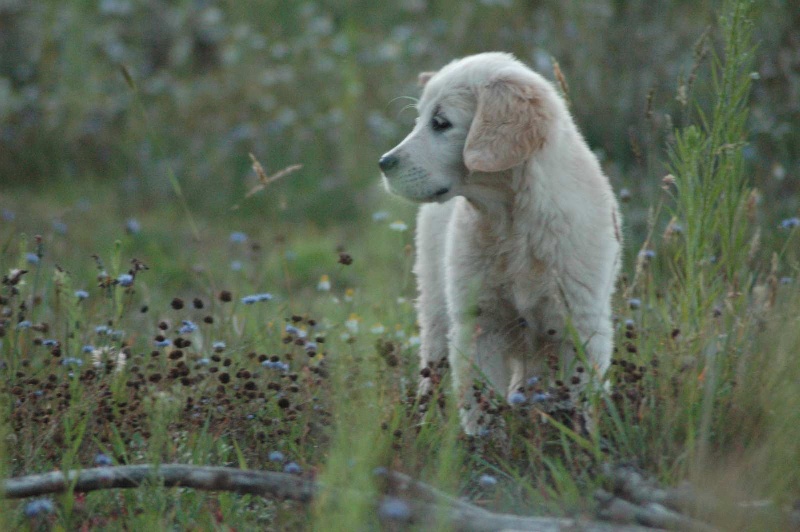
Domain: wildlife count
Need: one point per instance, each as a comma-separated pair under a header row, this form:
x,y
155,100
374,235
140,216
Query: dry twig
x,y
426,504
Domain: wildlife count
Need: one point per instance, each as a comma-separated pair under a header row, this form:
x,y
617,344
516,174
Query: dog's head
x,y
478,115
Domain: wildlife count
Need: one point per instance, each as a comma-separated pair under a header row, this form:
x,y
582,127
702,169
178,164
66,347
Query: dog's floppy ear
x,y
424,77
510,122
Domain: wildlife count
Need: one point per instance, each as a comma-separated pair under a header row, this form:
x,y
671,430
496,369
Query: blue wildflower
x,y
38,506
72,361
786,280
292,468
188,327
380,216
533,381
83,205
276,456
487,481
540,397
283,366
255,298
132,226
517,398
790,223
236,265
101,329
59,227
102,460
218,346
163,343
204,362
647,253
237,237
49,342
291,329
395,509
634,303
24,324
398,226
81,294
32,258
87,348
125,279
380,471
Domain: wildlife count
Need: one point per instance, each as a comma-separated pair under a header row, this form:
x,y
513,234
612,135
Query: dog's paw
x,y
424,387
471,420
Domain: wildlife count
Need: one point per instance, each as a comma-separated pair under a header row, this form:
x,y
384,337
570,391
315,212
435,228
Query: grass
x,y
176,364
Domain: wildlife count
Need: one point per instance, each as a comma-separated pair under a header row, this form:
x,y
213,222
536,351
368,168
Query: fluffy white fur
x,y
519,235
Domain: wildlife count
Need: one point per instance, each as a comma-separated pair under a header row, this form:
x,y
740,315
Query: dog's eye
x,y
439,123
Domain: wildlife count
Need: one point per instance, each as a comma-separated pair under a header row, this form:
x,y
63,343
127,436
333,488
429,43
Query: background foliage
x,y
125,132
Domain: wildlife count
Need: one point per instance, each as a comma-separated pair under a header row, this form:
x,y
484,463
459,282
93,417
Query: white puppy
x,y
518,243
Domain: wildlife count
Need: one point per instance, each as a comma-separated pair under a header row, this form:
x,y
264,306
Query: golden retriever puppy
x,y
518,240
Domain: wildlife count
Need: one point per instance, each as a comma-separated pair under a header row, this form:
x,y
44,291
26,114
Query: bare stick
x,y
429,501
650,514
479,520
265,483
631,485
428,506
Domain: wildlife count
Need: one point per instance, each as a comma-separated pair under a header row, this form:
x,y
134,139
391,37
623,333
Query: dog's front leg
x,y
479,353
433,335
465,371
434,321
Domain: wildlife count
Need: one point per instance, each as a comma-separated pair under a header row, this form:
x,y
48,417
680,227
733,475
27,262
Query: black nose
x,y
387,162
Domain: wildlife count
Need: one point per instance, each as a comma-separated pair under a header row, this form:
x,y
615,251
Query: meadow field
x,y
200,266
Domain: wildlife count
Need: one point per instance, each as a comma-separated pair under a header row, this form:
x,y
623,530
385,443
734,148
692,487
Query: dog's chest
x,y
513,276
520,278
527,290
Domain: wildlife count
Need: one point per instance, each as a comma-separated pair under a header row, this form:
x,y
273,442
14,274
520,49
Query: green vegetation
x,y
135,324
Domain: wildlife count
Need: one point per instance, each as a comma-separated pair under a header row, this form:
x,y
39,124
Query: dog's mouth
x,y
440,195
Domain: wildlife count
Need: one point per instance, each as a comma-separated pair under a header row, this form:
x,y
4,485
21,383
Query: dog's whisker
x,y
406,107
414,100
